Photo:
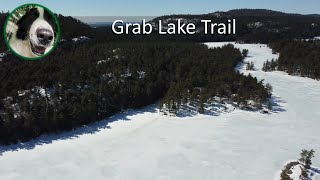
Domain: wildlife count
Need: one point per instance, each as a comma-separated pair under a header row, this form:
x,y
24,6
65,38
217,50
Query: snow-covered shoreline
x,y
142,144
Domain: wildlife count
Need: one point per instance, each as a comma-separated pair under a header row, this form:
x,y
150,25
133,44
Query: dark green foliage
x,y
72,28
80,83
3,46
250,66
304,174
270,65
305,161
84,83
201,104
203,75
285,174
269,89
94,81
306,157
299,57
245,53
255,26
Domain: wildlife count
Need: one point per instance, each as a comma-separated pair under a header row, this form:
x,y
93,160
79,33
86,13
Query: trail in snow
x,y
142,144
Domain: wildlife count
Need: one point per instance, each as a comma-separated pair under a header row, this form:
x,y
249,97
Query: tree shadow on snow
x,y
314,171
277,104
240,66
213,109
92,128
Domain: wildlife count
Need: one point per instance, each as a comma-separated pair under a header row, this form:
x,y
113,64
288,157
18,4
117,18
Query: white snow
x,y
255,25
2,55
141,74
215,106
116,50
126,74
102,61
107,76
81,39
296,172
217,14
142,144
316,38
42,91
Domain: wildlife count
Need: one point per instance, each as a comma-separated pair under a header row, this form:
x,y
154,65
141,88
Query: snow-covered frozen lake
x,y
142,144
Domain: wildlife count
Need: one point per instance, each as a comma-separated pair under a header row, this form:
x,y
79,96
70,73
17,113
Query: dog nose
x,y
45,36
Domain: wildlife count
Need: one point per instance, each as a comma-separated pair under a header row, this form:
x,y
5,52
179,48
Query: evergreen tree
x,y
306,157
250,66
298,58
201,105
264,67
304,174
245,52
269,89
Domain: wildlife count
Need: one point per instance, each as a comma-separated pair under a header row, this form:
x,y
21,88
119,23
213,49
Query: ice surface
x,y
142,144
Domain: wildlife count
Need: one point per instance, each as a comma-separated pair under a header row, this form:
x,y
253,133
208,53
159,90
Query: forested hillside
x,y
3,46
86,81
253,25
94,81
201,77
299,57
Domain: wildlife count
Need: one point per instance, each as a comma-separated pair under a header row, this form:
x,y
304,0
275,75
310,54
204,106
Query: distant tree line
x,y
254,25
298,57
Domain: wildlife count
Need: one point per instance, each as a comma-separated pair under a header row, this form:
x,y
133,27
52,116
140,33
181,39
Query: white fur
x,y
39,23
23,47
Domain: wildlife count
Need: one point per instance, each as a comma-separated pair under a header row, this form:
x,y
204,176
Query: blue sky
x,y
163,7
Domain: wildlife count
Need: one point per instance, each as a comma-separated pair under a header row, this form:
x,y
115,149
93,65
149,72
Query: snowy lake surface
x,y
144,145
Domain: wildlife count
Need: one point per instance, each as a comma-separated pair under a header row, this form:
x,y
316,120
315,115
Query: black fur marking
x,y
49,18
24,24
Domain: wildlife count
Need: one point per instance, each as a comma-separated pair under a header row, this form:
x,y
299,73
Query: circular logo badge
x,y
31,31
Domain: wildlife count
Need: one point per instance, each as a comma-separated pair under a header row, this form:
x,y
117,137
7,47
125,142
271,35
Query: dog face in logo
x,y
34,34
